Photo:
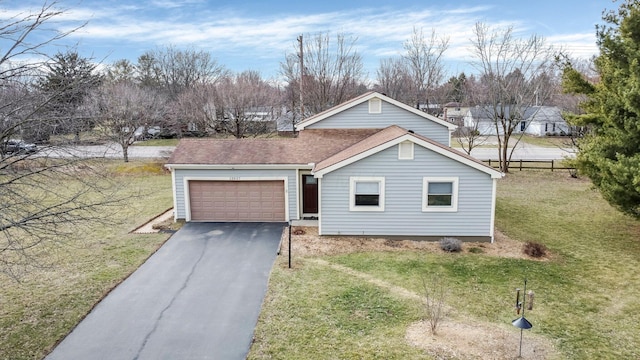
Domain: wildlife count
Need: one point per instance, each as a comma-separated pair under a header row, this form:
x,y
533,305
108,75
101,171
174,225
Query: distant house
x,y
454,113
371,166
536,121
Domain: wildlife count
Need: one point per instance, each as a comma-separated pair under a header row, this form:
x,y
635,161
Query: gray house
x,y
371,166
536,121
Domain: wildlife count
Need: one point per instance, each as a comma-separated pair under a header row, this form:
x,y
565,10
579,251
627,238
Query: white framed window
x,y
405,150
440,194
366,193
375,106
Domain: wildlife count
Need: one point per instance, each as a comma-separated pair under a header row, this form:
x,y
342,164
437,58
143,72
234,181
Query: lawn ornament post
x,y
522,323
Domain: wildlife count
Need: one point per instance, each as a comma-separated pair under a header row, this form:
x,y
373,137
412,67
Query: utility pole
x,y
301,76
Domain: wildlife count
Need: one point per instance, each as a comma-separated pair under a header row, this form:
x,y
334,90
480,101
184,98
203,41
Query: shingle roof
x,y
387,135
309,147
377,139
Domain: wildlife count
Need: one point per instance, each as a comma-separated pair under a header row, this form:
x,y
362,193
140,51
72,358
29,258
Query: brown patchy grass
x,y
586,289
48,302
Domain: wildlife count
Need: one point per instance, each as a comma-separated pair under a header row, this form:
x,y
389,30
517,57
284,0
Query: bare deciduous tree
x,y
248,104
181,69
45,197
333,72
194,111
515,74
415,77
394,80
122,111
425,64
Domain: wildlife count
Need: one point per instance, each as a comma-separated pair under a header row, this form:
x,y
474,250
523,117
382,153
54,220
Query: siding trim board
x,y
239,167
493,210
493,173
365,98
175,195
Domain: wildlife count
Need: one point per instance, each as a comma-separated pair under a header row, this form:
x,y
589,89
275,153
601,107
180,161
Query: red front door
x,y
309,194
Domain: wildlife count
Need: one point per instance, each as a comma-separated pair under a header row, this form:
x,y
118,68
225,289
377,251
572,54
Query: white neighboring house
x,y
537,121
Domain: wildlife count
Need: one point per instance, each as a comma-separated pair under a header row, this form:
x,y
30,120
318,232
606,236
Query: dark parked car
x,y
18,147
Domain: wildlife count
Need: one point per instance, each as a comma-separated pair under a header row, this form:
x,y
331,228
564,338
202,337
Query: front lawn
x,y
587,294
47,303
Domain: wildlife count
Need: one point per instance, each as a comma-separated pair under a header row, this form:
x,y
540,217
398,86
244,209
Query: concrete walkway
x,y
198,297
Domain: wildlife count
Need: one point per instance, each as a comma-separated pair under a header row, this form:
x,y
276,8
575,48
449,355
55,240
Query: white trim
x,y
402,156
454,194
493,210
239,166
187,197
175,198
301,213
320,207
492,172
352,193
349,104
298,194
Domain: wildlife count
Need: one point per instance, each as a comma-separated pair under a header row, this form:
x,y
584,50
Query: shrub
x,y
534,249
435,295
450,244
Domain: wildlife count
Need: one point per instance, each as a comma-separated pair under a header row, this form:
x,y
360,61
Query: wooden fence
x,y
532,164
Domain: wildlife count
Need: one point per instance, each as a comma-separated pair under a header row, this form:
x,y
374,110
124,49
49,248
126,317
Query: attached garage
x,y
238,201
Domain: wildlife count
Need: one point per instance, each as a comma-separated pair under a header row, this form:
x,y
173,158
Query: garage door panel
x,y
237,200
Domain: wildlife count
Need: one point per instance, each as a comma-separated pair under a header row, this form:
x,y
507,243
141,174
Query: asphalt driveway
x,y
198,297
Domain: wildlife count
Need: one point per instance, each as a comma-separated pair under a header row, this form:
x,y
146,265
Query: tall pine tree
x,y
610,153
67,81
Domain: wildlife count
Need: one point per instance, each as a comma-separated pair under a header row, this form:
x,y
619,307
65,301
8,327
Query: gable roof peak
x,y
362,99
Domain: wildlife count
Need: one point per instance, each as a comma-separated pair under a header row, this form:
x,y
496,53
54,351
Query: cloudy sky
x,y
256,35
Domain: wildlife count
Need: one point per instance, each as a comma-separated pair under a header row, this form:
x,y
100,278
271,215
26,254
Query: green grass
x,y
158,142
48,302
548,141
324,312
587,295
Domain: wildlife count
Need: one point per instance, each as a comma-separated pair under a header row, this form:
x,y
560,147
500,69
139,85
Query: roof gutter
x,y
238,166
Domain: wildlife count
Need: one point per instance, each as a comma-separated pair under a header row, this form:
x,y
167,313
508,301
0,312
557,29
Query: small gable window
x,y
405,150
440,194
366,193
375,106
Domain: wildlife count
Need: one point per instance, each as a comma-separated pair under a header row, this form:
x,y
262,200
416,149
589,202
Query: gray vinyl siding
x,y
231,175
403,198
358,117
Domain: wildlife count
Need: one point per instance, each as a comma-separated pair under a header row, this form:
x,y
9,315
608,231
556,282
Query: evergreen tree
x,y
68,80
610,154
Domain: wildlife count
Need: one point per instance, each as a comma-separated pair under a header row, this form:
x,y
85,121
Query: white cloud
x,y
380,32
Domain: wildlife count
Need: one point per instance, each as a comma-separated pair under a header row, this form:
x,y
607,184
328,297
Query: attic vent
x,y
405,150
375,106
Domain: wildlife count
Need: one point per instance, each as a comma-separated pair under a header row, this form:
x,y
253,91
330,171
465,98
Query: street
x,y
522,151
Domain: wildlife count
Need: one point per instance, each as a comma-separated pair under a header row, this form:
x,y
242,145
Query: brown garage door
x,y
237,200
